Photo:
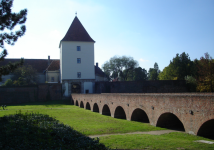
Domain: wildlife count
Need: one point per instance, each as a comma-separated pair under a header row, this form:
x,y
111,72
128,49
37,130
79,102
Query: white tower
x,y
77,60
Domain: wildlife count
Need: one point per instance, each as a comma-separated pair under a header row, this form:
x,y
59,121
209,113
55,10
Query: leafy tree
x,y
205,74
20,82
191,83
25,75
120,67
8,21
154,72
140,74
179,67
8,82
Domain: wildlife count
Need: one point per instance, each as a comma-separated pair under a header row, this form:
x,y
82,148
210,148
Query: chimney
x,y
96,64
49,60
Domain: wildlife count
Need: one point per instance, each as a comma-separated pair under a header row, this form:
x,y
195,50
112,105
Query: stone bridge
x,y
189,112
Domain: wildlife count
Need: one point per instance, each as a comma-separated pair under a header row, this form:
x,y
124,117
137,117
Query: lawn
x,y
170,141
91,123
84,121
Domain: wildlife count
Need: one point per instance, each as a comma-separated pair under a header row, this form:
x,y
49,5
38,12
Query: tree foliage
x,y
140,74
25,75
8,82
8,21
122,67
205,74
191,83
154,72
179,67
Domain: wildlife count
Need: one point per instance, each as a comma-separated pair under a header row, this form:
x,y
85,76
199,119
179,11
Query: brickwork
x,y
191,109
40,92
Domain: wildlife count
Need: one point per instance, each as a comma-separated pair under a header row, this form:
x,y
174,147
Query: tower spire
x,y
76,13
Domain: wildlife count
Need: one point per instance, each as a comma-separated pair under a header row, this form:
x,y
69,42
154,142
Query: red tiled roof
x,y
99,72
77,32
54,65
39,64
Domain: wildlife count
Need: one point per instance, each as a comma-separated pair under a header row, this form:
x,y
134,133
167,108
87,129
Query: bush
x,y
8,82
39,131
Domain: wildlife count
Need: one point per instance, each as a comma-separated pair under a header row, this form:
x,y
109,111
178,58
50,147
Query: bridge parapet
x,y
183,111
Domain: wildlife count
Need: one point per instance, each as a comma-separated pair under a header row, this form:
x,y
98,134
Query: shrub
x,y
8,82
39,131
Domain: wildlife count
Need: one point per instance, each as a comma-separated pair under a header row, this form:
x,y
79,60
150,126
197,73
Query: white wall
x,y
54,74
41,77
60,63
68,60
66,89
88,86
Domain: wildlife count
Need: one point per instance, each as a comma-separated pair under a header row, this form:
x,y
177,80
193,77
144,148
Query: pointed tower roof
x,y
77,32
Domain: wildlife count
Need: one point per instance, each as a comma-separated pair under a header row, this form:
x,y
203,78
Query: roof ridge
x,y
77,32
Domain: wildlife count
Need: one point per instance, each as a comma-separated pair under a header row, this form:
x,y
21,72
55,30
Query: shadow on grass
x,y
25,131
46,103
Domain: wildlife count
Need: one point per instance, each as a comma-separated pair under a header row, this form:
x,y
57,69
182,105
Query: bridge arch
x,y
88,106
77,104
95,108
106,111
139,115
81,104
206,129
170,121
119,113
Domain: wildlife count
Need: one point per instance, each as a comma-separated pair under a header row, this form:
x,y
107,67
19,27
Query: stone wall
x,y
159,86
191,111
40,92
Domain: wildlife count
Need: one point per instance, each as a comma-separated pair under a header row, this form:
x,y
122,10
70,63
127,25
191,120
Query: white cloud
x,y
143,60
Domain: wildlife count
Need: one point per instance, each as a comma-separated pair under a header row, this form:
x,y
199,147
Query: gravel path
x,y
149,132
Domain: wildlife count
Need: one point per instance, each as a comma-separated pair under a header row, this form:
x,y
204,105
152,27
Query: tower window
x,y
52,79
78,48
79,60
78,74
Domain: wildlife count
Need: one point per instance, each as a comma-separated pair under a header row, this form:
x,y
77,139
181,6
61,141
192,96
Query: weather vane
x,y
76,13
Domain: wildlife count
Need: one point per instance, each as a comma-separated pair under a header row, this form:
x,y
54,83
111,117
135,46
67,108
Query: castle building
x,y
77,72
75,69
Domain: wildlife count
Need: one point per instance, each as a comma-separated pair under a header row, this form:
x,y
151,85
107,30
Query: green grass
x,y
171,141
91,123
33,131
84,121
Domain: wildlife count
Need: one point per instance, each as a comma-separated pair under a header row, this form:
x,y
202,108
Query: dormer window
x,y
78,48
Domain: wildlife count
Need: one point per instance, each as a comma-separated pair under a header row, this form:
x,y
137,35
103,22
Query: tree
x,y
179,67
140,74
191,83
120,67
205,74
8,82
25,75
154,72
8,21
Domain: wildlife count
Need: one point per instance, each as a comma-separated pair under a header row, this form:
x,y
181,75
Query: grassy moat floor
x,y
91,123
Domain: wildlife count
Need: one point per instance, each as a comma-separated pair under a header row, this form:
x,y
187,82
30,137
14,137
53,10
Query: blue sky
x,y
148,30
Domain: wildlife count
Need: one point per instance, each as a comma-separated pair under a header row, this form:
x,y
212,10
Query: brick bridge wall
x,y
190,109
40,92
